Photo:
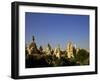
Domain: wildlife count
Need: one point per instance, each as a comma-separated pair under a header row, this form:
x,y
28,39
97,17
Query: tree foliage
x,y
82,57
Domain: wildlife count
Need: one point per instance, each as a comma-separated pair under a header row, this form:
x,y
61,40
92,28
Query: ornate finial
x,y
33,38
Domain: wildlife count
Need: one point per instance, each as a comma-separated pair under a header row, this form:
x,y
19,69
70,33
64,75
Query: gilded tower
x,y
70,50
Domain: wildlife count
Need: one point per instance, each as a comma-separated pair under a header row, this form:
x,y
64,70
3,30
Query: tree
x,y
41,49
82,57
49,46
74,52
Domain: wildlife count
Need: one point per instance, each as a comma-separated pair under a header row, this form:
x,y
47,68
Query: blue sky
x,y
57,29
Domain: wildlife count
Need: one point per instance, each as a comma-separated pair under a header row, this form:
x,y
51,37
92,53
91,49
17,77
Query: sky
x,y
57,29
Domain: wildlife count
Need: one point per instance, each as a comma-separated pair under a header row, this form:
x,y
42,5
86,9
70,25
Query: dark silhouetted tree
x,y
82,56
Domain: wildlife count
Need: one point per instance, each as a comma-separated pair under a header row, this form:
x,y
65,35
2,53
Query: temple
x,y
70,50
